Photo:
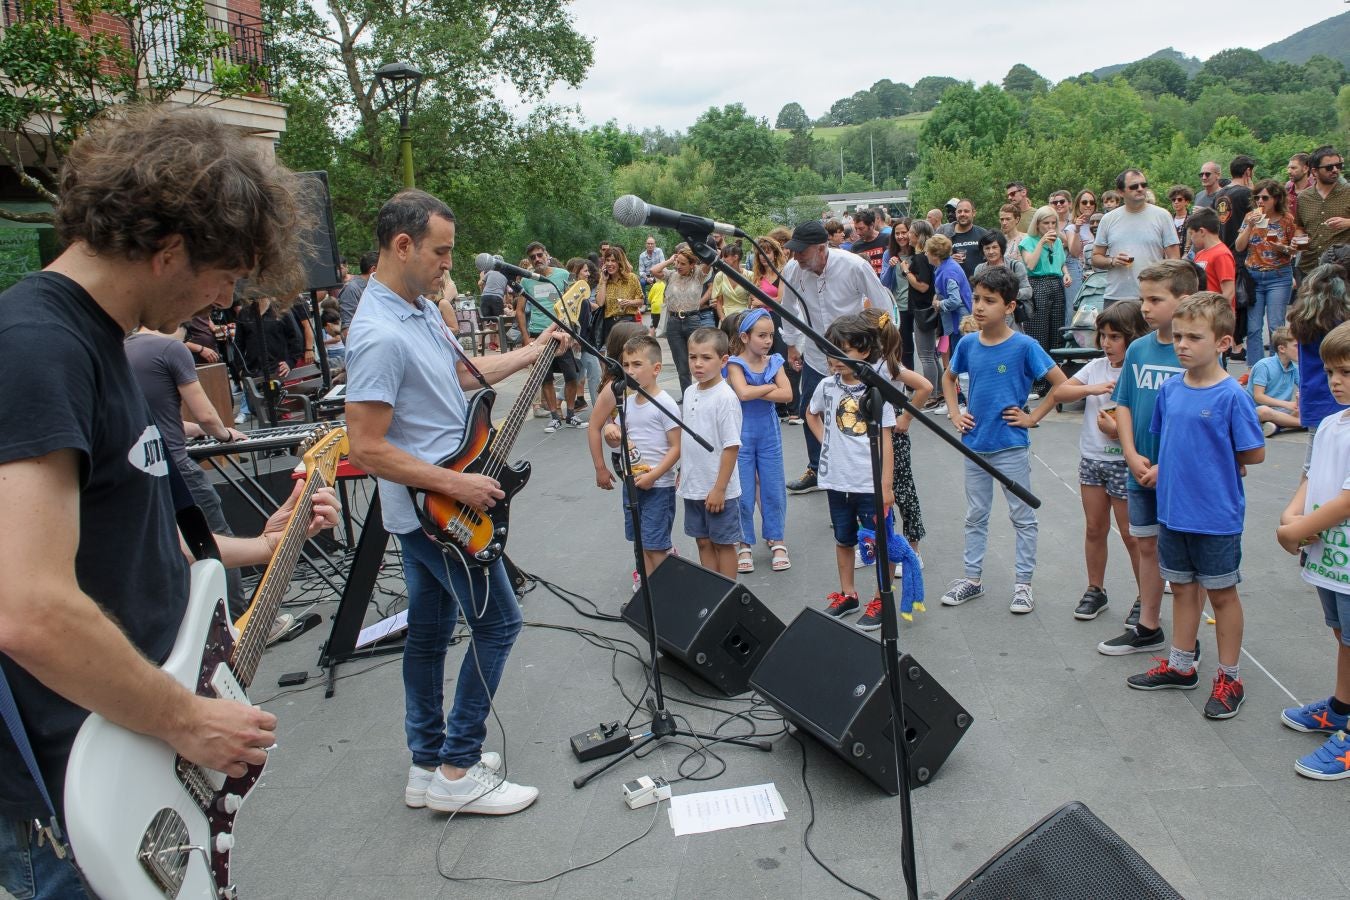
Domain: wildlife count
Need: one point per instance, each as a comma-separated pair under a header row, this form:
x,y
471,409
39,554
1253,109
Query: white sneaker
x,y
482,791
940,409
419,779
1022,601
240,418
280,625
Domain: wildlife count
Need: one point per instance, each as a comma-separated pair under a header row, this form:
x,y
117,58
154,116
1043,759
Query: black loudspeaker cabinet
x,y
275,474
1068,855
715,626
320,242
827,678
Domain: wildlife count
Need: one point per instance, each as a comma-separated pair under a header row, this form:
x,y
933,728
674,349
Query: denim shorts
x,y
720,528
1104,473
1210,560
657,508
847,509
1143,512
1336,610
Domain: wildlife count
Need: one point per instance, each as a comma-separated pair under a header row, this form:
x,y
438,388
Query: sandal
x,y
744,562
780,557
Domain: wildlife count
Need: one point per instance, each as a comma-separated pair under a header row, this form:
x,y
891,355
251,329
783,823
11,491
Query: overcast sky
x,y
664,64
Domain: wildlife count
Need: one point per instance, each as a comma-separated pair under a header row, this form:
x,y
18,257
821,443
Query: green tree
x,y
1156,76
928,91
61,71
619,147
792,117
748,164
979,118
1343,108
894,98
1022,79
1239,68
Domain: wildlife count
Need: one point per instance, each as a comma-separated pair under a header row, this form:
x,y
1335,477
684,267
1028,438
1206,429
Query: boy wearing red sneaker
x,y
1315,525
1206,424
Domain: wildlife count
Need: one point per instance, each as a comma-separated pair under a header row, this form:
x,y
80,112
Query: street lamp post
x,y
399,85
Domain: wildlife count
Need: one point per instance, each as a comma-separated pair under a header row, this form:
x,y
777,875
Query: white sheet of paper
x,y
382,629
731,808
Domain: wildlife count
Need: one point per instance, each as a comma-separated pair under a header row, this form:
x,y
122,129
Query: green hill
x,y
912,121
1188,63
1329,38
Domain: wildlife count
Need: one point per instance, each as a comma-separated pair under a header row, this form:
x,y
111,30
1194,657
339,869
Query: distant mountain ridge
x,y
1330,37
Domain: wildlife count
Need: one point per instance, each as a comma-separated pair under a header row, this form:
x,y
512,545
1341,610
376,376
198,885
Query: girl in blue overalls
x,y
758,378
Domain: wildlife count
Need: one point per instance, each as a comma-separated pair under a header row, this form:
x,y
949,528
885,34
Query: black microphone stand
x,y
879,392
662,723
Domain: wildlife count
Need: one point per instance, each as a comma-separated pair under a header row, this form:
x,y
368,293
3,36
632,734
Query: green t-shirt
x,y
547,290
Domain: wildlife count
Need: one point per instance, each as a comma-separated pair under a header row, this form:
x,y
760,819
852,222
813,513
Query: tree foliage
x,y
59,72
1022,79
792,118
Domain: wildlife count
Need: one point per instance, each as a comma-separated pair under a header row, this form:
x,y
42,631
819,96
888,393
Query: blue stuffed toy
x,y
899,551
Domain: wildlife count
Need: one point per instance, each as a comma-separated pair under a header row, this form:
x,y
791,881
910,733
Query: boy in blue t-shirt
x,y
1002,365
1149,362
1207,431
1273,384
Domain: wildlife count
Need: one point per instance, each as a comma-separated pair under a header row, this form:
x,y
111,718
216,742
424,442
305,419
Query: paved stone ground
x,y
1214,806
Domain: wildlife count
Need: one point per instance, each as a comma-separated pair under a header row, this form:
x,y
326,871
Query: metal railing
x,y
248,44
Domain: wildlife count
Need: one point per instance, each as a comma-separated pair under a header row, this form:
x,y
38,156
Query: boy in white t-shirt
x,y
709,482
654,443
1316,525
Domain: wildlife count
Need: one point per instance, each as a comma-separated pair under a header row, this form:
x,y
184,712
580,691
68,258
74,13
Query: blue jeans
x,y
677,336
810,378
761,455
28,871
1016,464
440,589
1270,302
848,511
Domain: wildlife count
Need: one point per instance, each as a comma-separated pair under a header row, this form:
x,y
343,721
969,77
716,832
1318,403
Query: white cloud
x,y
663,65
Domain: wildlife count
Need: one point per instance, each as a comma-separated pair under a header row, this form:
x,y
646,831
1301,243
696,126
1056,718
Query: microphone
x,y
632,211
486,262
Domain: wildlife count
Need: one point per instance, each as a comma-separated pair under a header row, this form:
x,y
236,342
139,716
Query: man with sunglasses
x,y
1209,185
1017,196
1131,238
548,289
1323,209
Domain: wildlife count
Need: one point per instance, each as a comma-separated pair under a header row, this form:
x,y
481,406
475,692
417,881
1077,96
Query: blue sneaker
x,y
1315,716
1330,762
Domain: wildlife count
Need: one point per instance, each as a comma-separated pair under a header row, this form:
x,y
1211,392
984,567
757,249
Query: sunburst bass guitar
x,y
146,824
479,536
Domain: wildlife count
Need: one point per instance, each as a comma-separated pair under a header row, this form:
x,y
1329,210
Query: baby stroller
x,y
1079,344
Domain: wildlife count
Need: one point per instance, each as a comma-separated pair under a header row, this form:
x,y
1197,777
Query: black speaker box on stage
x,y
320,242
1068,855
713,625
827,678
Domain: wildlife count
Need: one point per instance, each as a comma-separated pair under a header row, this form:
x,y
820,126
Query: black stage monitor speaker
x,y
1068,855
320,242
827,678
708,622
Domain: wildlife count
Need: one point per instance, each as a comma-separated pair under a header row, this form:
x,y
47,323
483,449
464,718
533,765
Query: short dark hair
x,y
714,336
1125,317
408,212
1180,190
834,226
1241,165
1015,184
644,344
533,246
866,216
856,332
368,261
994,237
131,182
1303,159
1203,219
1322,153
1123,176
999,280
1178,274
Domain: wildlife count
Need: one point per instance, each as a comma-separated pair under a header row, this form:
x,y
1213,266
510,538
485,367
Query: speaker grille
x,y
1069,855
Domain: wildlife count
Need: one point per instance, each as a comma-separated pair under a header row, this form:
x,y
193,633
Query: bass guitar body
x,y
146,824
477,536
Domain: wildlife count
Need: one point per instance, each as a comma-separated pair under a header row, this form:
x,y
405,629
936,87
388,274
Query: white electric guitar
x,y
143,821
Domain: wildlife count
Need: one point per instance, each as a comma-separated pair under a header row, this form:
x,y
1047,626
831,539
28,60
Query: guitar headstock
x,y
324,449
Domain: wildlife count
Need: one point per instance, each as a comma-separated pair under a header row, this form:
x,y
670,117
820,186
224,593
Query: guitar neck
x,y
510,429
272,588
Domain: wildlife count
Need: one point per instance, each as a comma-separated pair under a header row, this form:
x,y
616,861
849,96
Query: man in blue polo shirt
x,y
406,410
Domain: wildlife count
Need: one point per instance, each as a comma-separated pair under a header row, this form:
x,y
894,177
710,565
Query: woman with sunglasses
x,y
1266,236
1180,196
1061,203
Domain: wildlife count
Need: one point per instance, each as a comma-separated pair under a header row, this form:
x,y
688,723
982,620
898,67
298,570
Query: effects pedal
x,y
605,739
646,791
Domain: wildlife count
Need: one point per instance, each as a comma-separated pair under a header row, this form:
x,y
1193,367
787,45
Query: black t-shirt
x,y
967,242
65,384
872,251
922,270
1232,204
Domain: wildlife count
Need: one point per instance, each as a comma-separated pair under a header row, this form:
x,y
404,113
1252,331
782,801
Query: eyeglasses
x,y
1060,202
1137,186
1264,197
1207,174
1087,201
1332,167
